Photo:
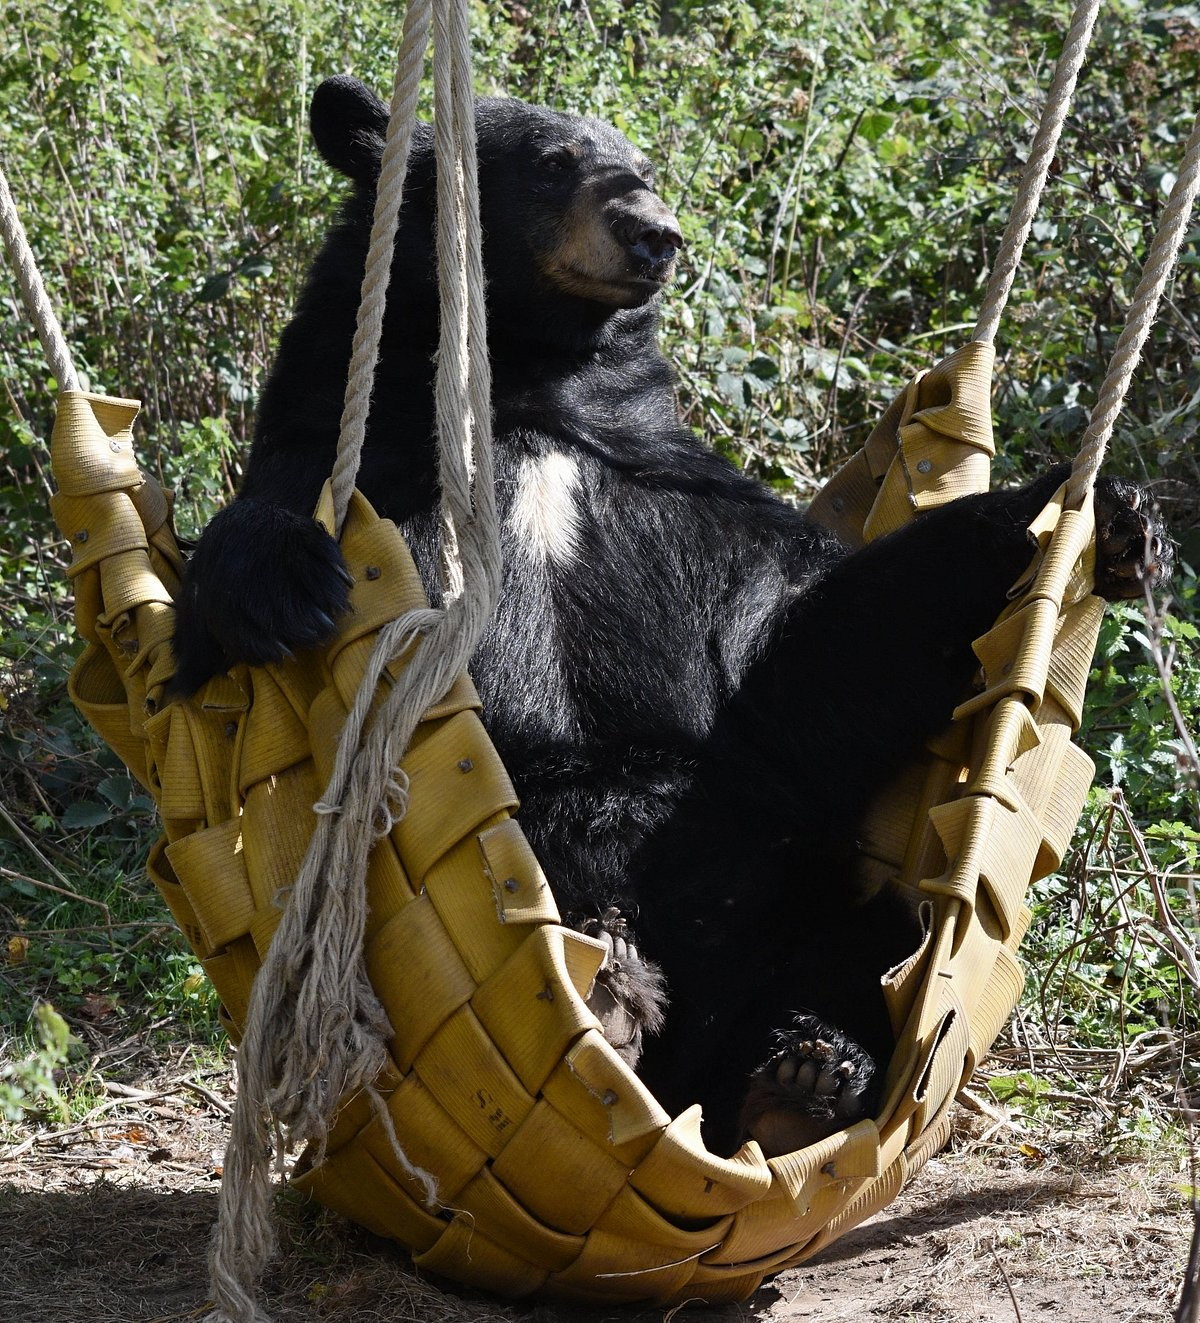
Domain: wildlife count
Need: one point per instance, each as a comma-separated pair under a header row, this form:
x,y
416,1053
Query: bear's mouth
x,y
637,284
657,271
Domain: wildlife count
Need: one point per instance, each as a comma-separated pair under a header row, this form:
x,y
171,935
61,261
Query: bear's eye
x,y
558,160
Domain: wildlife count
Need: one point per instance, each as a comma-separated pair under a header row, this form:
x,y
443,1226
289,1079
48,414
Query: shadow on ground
x,y
111,1253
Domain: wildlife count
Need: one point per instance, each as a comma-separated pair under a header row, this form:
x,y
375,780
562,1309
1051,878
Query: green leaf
x,y
86,813
875,124
117,790
255,268
215,287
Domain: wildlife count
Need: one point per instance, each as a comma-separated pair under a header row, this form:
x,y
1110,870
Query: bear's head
x,y
567,204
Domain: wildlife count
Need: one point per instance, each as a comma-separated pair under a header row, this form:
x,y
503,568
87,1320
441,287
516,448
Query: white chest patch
x,y
545,511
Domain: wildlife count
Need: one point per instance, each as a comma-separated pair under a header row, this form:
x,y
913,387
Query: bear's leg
x,y
871,662
865,669
800,963
818,1081
1132,546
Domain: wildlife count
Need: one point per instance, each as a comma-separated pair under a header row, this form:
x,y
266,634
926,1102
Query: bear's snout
x,y
650,233
619,250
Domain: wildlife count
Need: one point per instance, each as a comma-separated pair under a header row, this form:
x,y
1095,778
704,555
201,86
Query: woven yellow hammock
x,y
563,1173
556,1171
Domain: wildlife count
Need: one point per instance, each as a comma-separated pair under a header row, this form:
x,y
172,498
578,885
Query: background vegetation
x,y
843,173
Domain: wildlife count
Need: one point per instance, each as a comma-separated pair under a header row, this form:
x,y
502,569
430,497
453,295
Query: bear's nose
x,y
652,236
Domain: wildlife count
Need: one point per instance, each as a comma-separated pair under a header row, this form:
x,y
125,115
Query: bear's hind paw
x,y
817,1082
629,995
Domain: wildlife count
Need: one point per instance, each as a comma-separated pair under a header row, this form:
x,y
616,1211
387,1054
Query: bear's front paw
x,y
629,995
818,1081
262,584
1133,552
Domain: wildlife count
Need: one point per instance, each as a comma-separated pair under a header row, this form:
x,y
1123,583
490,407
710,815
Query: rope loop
x,y
295,1064
33,291
389,194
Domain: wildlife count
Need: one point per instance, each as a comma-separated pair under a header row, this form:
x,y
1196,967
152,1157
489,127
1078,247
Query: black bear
x,y
677,668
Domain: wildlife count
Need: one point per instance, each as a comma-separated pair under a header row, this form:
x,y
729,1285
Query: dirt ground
x,y
107,1220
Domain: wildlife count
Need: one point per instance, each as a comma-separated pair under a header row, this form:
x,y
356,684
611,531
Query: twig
x,y
116,1090
209,1096
14,876
16,828
135,1039
1154,619
1012,1295
91,1122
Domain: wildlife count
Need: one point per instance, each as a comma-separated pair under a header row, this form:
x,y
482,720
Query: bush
x,y
843,177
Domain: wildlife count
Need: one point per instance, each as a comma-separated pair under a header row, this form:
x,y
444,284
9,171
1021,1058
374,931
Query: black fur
x,y
685,688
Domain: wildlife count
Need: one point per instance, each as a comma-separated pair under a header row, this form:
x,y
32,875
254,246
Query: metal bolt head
x,y
925,466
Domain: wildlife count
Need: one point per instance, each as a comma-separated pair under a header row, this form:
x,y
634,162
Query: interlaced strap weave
x,y
623,1206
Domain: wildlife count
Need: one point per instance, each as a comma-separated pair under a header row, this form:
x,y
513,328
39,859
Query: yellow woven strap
x,y
993,811
932,445
125,568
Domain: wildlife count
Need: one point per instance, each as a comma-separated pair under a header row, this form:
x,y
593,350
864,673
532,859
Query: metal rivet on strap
x,y
609,1098
924,465
465,765
511,884
82,535
114,446
372,571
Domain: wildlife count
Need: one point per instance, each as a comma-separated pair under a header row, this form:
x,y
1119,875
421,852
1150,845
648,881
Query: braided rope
x,y
1160,262
1037,168
315,1030
33,291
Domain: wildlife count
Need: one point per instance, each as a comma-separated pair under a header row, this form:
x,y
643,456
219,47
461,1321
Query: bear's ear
x,y
348,124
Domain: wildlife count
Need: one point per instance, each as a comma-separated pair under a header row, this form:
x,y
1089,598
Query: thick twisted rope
x,y
1037,168
33,291
1160,262
389,193
315,1031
